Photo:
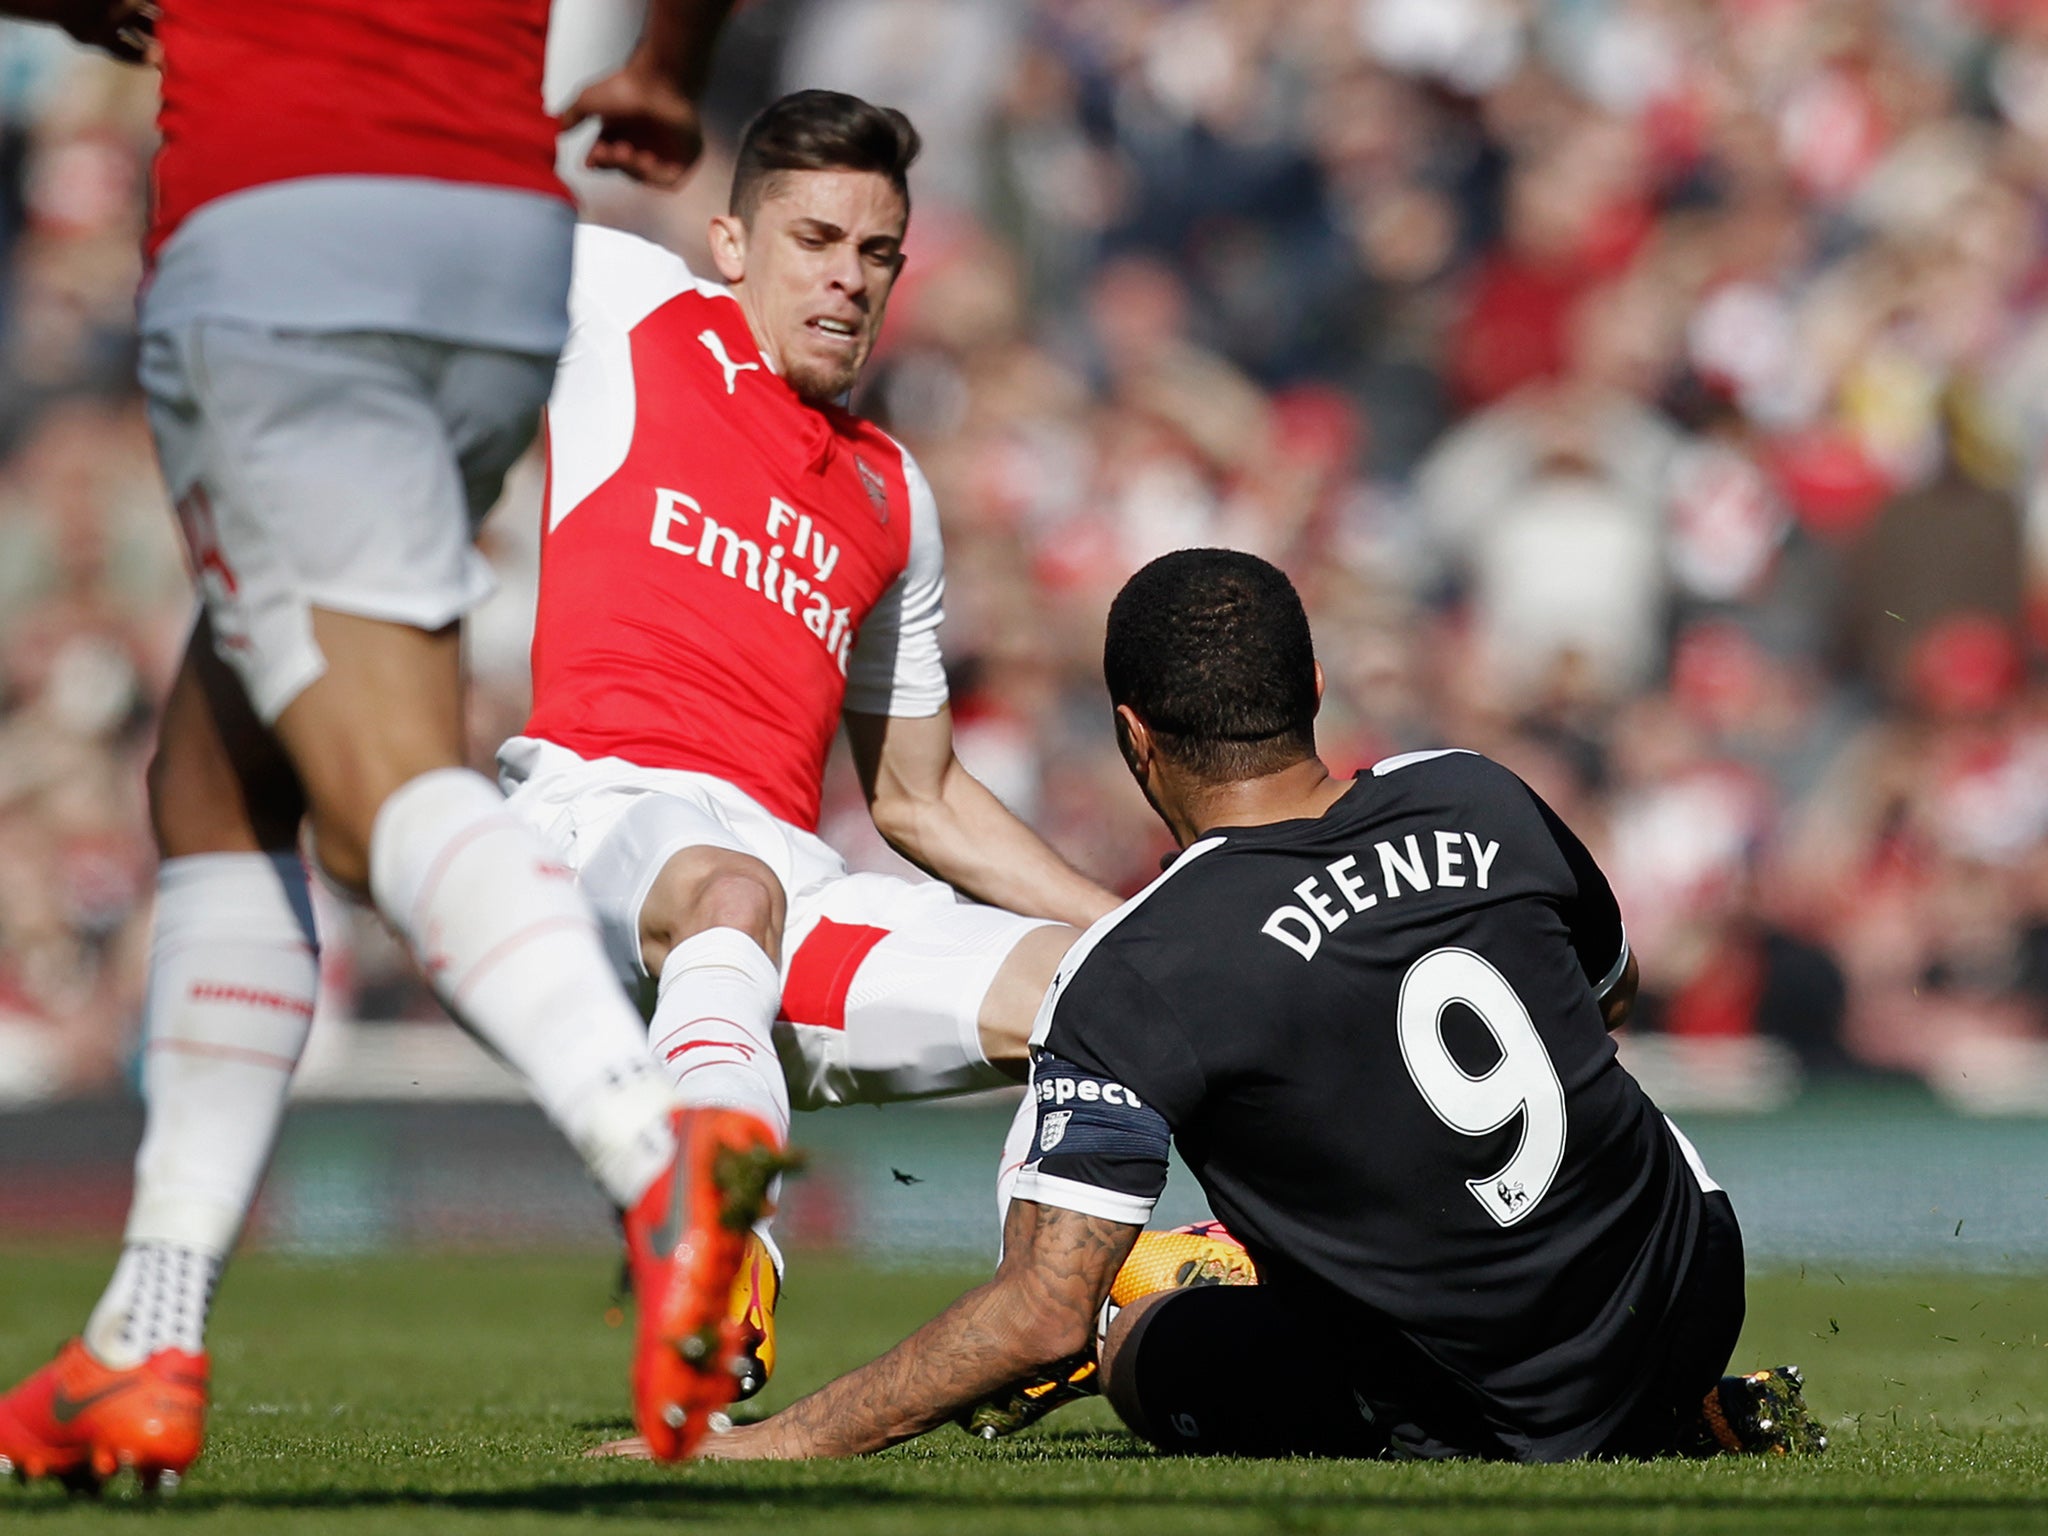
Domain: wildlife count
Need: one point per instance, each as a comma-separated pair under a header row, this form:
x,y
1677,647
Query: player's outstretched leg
x,y
512,951
505,936
709,925
511,947
233,974
686,1239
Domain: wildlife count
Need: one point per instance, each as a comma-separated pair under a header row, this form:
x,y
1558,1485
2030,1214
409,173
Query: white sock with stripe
x,y
512,950
714,1026
234,969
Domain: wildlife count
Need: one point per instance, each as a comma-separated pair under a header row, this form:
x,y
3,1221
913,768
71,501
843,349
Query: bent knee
x,y
749,899
703,888
1118,1357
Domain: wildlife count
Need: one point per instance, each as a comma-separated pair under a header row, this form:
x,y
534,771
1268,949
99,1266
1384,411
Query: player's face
x,y
813,267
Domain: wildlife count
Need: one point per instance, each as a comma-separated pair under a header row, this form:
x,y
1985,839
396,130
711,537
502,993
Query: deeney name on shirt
x,y
683,527
1417,863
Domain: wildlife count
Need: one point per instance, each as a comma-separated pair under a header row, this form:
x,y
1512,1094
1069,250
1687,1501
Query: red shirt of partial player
x,y
720,559
257,91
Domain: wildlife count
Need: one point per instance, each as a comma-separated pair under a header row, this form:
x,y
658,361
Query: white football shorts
x,y
882,979
338,470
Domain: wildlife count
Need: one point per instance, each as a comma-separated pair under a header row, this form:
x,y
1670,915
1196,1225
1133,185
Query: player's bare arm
x,y
647,108
944,820
1036,1314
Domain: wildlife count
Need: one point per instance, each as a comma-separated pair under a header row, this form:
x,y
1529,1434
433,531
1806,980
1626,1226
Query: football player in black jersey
x,y
1374,1014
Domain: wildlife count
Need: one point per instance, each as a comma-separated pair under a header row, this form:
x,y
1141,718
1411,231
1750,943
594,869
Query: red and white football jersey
x,y
723,567
256,92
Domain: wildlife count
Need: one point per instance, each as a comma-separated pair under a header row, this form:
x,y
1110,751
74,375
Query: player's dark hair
x,y
821,131
1211,649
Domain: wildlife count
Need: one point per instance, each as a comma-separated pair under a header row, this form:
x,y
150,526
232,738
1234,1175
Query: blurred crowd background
x,y
1650,393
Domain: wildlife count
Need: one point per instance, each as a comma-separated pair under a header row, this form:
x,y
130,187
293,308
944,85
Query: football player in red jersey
x,y
732,564
359,258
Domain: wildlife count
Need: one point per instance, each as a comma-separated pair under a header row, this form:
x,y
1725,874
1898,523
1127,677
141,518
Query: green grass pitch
x,y
429,1393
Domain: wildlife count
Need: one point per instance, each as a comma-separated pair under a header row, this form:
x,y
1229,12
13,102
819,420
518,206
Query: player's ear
x,y
1134,741
729,246
1319,687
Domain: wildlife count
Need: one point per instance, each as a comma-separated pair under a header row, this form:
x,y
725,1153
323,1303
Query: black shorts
x,y
1240,1371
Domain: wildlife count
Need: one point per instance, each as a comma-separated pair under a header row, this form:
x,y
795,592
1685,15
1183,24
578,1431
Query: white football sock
x,y
234,969
714,1022
511,949
165,1293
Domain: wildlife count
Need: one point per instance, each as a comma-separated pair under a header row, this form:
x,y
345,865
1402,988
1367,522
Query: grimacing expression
x,y
813,265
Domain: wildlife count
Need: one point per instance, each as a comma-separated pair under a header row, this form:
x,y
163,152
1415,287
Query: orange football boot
x,y
685,1241
82,1422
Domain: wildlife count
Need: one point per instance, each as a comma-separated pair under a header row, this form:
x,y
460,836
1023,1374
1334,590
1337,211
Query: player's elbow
x,y
906,815
895,811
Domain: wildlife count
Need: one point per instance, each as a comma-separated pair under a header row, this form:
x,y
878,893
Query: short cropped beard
x,y
822,386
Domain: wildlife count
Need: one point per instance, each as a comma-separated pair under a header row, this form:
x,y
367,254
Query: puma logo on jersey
x,y
715,345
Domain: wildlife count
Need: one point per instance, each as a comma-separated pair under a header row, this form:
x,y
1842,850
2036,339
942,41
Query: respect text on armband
x,y
1086,1090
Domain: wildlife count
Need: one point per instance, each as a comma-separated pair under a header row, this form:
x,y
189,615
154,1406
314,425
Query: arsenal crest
x,y
877,488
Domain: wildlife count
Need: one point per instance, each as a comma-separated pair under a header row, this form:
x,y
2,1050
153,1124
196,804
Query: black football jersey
x,y
1376,1037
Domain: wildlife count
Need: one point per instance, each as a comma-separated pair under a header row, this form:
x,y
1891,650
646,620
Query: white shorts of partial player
x,y
344,471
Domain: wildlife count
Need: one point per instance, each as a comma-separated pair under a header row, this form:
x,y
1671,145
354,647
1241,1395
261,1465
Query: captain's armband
x,y
1096,1147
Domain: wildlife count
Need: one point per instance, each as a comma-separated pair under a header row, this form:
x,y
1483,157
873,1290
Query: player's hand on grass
x,y
735,1442
647,128
760,1441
